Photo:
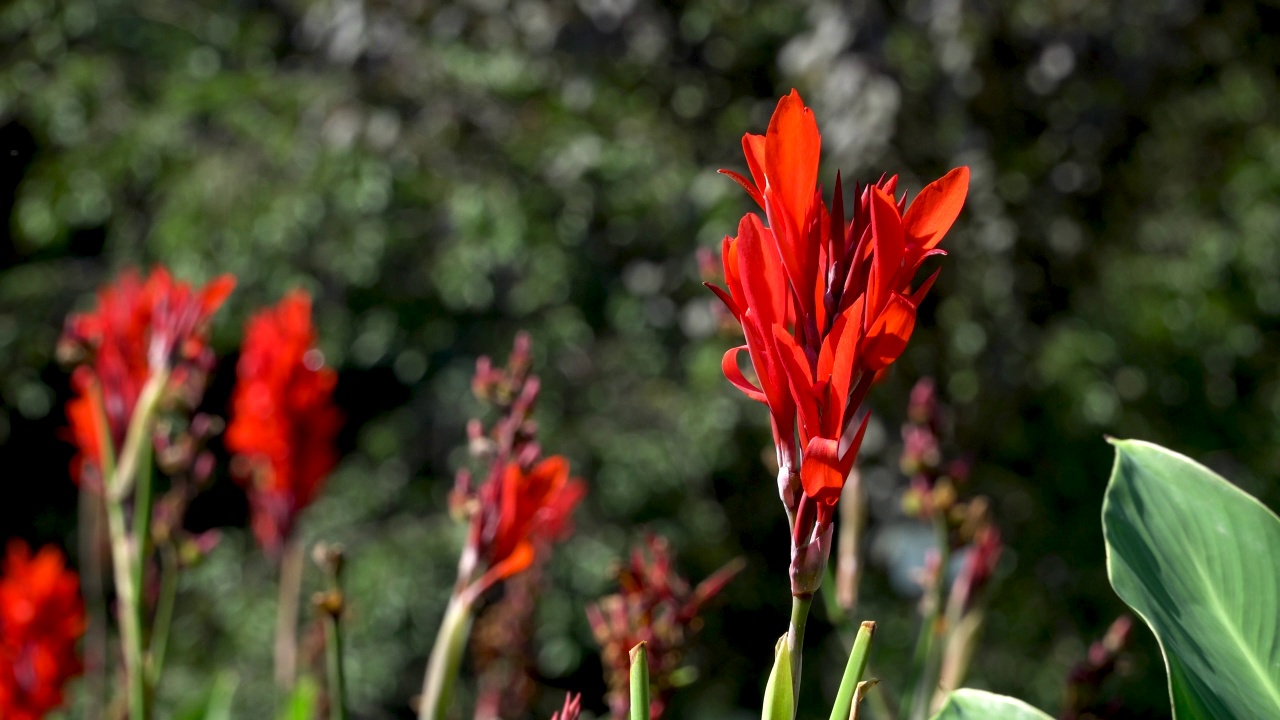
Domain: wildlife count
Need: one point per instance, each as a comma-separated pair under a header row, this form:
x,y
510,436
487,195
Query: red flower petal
x,y
934,210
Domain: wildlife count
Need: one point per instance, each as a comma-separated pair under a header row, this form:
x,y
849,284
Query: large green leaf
x,y
1199,560
968,704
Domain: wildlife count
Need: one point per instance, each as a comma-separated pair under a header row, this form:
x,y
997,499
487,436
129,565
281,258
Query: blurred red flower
x,y
41,618
138,328
521,511
283,420
825,306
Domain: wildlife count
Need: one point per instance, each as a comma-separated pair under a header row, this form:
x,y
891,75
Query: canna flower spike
x,y
41,618
520,508
139,330
283,420
826,307
525,501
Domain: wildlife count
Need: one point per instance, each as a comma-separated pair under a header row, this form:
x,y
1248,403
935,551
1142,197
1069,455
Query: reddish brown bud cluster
x,y
572,707
1085,696
657,607
933,478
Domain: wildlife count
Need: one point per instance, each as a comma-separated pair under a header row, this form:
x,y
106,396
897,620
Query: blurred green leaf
x,y
969,704
217,704
301,704
1196,558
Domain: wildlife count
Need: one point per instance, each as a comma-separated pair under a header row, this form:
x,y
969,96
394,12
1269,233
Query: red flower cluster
x,y
656,607
138,329
825,306
283,421
41,618
525,503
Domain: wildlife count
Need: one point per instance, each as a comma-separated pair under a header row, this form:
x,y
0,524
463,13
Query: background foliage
x,y
440,175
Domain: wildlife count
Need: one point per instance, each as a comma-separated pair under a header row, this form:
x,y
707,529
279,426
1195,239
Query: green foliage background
x,y
441,175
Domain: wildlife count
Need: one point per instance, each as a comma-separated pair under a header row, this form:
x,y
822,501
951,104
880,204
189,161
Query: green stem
x,y
853,672
126,599
142,508
127,549
138,435
640,703
337,674
446,659
164,611
795,640
915,704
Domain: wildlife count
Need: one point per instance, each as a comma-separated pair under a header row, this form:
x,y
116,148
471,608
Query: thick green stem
x,y
128,549
127,600
446,659
853,672
926,660
640,702
795,640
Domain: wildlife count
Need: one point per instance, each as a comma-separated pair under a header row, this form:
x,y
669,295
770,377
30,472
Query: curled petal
x,y
732,371
936,207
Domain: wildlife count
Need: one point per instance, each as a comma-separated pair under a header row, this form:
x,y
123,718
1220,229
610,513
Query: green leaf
x,y
216,704
969,704
853,670
301,704
1196,557
779,703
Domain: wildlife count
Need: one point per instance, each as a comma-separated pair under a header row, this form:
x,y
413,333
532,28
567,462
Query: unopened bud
x,y
329,556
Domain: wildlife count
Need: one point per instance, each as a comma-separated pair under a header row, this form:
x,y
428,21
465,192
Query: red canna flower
x,y
137,330
283,421
825,306
521,510
41,618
